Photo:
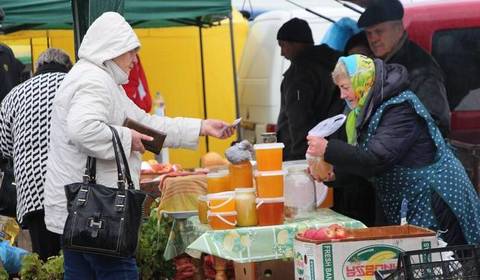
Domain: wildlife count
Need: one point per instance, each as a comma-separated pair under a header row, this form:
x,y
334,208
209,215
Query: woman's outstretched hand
x,y
216,128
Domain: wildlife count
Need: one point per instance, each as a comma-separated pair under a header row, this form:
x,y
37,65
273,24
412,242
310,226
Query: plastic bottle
x,y
159,110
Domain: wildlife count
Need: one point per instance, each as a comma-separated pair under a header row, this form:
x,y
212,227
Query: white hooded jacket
x,y
87,101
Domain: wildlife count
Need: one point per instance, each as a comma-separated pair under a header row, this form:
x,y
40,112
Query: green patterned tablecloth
x,y
247,244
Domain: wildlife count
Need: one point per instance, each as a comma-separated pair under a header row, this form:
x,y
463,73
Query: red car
x,y
450,31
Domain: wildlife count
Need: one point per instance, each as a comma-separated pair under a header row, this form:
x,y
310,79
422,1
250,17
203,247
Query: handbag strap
x,y
126,169
123,174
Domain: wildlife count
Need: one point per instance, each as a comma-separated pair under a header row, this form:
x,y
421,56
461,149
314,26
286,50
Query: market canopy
x,y
57,14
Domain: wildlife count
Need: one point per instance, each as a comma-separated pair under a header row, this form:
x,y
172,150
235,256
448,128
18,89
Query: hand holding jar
x,y
318,167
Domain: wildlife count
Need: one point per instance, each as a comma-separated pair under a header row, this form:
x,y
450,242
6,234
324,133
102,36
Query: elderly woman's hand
x,y
316,146
216,128
137,138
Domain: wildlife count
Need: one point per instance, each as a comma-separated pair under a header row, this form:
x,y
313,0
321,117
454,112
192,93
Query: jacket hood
x,y
109,36
390,80
321,53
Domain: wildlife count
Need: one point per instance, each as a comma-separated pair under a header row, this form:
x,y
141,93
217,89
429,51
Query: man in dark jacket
x,y
10,70
388,40
308,94
10,76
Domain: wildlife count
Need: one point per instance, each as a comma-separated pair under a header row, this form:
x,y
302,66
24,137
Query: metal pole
x,y
76,27
349,6
234,68
310,11
204,92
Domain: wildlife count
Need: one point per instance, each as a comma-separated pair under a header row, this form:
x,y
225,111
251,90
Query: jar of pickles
x,y
241,174
245,204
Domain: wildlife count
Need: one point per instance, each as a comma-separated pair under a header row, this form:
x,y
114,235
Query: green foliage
x,y
3,273
153,240
34,269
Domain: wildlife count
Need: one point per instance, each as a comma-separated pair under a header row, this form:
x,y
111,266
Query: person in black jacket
x,y
350,197
10,70
25,115
10,76
393,141
307,89
382,21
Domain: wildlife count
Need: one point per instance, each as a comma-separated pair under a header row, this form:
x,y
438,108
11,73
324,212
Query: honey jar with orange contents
x,y
241,174
222,220
203,209
270,211
218,182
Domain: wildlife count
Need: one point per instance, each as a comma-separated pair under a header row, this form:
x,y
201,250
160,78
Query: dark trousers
x,y
447,221
84,266
44,242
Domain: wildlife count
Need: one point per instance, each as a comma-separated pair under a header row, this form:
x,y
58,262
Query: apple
x,y
340,233
324,234
309,233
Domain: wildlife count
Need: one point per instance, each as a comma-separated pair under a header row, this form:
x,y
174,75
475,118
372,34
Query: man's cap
x,y
379,11
295,30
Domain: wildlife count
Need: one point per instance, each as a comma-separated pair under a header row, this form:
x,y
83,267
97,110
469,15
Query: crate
x,y
448,263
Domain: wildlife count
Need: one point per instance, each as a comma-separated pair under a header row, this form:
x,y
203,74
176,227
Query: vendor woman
x,y
393,140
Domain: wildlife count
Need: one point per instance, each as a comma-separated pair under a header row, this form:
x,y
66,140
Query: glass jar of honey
x,y
270,211
202,209
319,168
241,174
245,205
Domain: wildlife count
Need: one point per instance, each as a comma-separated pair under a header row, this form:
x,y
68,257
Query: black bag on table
x,y
104,220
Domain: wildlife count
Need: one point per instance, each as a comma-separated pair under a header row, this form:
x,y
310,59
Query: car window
x,y
458,53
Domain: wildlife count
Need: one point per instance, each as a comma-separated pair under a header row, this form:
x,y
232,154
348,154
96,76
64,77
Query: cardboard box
x,y
360,255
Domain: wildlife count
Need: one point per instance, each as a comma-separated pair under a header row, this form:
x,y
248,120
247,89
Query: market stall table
x,y
246,244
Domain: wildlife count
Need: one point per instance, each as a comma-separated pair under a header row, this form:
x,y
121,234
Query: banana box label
x,y
364,262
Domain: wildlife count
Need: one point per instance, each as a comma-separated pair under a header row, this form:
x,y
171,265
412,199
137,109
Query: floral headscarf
x,y
361,71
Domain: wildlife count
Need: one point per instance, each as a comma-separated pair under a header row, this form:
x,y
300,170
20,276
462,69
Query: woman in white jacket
x,y
89,99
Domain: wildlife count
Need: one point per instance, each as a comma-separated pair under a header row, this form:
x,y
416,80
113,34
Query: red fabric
x,y
137,76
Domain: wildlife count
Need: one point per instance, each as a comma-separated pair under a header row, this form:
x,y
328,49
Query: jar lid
x,y
220,195
268,146
297,168
245,190
229,213
270,199
217,174
269,173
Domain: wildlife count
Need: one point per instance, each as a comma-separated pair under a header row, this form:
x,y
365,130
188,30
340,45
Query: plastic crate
x,y
448,263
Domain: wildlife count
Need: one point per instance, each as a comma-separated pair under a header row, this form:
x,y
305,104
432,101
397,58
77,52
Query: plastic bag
x,y
11,257
9,229
239,152
328,127
339,32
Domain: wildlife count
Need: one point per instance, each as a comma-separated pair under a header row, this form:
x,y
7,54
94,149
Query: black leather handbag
x,y
104,220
